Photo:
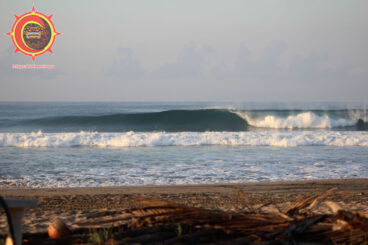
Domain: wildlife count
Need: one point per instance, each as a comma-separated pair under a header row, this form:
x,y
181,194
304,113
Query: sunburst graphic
x,y
33,33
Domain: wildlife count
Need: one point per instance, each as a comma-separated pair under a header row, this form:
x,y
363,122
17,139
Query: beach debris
x,y
310,202
333,206
58,229
158,222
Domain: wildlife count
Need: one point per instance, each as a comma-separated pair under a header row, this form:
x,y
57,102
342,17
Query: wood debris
x,y
158,222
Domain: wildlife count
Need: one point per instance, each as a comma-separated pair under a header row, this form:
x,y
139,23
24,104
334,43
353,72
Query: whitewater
x,y
139,139
303,120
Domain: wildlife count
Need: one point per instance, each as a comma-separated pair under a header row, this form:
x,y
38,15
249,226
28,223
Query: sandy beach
x,y
72,205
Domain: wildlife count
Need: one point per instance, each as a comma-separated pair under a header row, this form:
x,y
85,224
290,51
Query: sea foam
x,y
139,139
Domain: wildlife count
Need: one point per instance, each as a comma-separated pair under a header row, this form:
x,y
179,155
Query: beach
x,y
73,205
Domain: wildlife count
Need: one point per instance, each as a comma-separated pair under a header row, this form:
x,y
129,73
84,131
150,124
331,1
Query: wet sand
x,y
72,205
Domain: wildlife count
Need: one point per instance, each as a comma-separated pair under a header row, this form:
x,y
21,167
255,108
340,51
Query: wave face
x,y
140,139
169,121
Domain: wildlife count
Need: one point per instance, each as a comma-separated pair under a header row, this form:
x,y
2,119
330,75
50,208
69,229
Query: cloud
x,y
309,70
267,67
247,77
199,63
125,65
189,64
304,68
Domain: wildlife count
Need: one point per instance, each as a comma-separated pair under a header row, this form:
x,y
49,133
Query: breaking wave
x,y
200,120
141,139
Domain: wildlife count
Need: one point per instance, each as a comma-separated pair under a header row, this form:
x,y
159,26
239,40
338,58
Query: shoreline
x,y
74,204
351,184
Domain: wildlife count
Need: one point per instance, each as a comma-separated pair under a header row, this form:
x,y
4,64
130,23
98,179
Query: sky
x,y
193,50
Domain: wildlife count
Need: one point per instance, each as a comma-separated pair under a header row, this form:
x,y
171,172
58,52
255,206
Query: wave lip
x,y
141,139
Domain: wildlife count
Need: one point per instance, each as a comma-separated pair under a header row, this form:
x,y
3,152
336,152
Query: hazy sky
x,y
193,50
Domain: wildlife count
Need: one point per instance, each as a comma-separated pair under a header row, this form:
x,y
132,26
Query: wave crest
x,y
303,120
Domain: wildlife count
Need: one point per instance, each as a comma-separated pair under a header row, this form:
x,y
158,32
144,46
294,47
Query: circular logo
x,y
33,33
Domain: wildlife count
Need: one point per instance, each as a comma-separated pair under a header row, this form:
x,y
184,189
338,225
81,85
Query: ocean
x,y
62,144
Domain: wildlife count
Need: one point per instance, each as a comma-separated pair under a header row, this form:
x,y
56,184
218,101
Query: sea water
x,y
146,143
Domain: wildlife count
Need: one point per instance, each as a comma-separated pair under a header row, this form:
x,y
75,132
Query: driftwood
x,y
169,223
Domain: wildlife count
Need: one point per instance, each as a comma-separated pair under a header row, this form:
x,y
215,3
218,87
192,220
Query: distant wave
x,y
200,120
140,139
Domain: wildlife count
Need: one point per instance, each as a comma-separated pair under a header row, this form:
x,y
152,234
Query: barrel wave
x,y
169,121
